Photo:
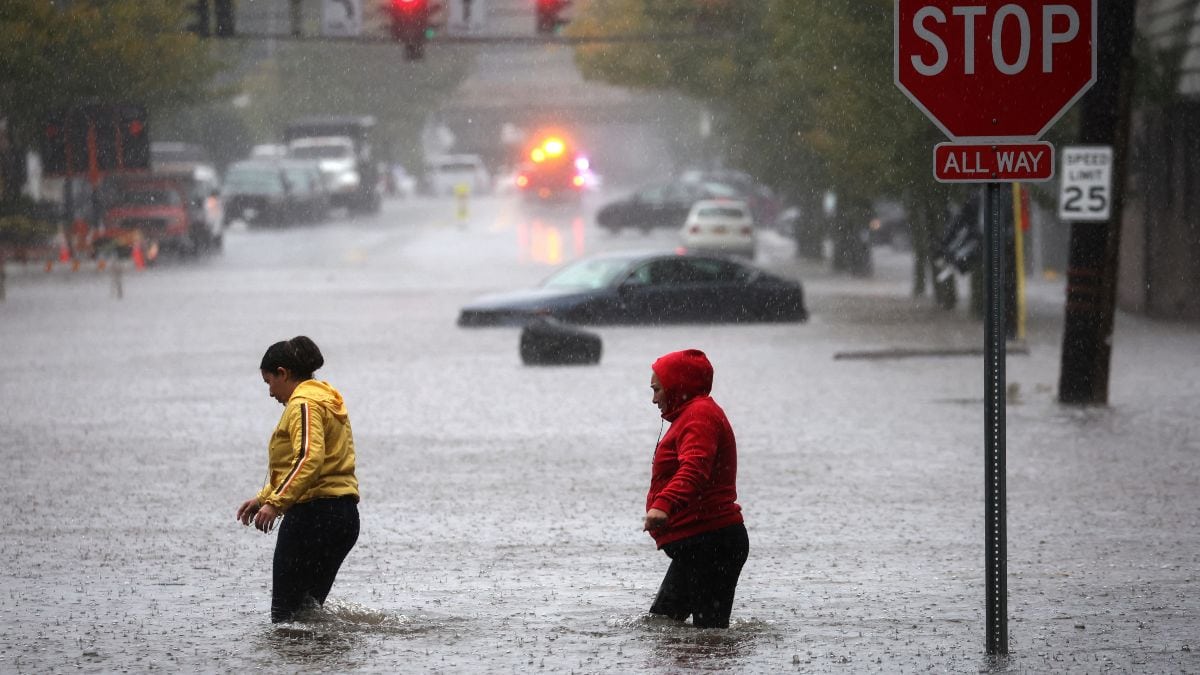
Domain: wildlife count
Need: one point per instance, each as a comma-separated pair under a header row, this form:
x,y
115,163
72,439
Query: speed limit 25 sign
x,y
1086,189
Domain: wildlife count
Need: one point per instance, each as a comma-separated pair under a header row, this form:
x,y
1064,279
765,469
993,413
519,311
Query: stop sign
x,y
995,70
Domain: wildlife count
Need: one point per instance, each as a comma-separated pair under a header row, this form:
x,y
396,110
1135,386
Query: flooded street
x,y
502,504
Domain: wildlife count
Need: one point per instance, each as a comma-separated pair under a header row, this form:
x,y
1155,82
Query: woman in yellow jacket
x,y
310,480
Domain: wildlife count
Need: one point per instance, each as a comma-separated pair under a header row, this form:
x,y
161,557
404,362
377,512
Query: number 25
x,y
1096,199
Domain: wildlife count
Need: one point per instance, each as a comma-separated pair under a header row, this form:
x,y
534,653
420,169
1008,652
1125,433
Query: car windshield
x,y
596,273
721,212
720,190
150,198
321,152
257,181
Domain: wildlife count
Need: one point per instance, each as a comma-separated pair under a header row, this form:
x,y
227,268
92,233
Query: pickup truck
x,y
343,145
180,211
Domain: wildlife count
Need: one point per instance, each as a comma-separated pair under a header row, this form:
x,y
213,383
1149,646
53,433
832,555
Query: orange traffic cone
x,y
64,251
139,260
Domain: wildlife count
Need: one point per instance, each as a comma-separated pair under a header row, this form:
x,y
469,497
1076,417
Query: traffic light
x,y
133,134
198,17
410,26
54,145
549,12
223,10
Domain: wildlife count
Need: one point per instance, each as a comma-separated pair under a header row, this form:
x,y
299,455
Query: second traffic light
x,y
411,25
549,15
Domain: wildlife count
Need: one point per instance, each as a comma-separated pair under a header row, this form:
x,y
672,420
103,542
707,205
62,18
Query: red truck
x,y
176,211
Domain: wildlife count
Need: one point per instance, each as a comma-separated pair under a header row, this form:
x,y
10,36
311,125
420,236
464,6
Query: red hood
x,y
684,376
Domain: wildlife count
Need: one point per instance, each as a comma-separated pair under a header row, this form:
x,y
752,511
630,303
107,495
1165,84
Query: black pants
x,y
703,577
313,541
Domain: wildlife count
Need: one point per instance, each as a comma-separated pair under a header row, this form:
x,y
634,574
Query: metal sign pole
x,y
994,336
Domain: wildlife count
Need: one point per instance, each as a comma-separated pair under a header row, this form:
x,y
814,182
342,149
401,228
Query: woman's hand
x,y
655,518
247,510
265,519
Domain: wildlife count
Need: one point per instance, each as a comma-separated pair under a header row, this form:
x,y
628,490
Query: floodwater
x,y
501,505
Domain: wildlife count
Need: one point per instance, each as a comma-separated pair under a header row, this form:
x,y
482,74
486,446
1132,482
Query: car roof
x,y
256,163
636,256
321,141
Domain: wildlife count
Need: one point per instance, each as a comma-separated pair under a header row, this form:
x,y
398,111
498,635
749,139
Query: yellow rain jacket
x,y
312,449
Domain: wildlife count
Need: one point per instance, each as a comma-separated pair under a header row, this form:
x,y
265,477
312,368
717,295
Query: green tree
x,y
96,51
804,92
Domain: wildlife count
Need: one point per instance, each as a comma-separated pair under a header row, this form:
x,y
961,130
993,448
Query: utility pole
x,y
1092,267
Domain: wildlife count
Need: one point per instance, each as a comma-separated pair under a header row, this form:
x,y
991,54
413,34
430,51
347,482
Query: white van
x,y
446,174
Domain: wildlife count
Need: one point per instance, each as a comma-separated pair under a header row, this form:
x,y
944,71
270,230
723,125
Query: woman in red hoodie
x,y
691,509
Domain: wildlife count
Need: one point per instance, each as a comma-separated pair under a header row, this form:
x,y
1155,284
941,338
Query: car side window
x,y
728,272
677,272
643,275
681,192
651,195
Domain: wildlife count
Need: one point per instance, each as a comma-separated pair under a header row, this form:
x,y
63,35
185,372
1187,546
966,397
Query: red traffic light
x,y
549,17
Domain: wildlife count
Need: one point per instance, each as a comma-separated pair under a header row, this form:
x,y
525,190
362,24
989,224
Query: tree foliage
x,y
96,51
804,90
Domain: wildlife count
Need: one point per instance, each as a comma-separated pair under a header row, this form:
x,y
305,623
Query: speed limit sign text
x,y
1086,191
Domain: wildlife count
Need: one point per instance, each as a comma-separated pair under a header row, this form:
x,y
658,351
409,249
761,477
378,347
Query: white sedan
x,y
719,225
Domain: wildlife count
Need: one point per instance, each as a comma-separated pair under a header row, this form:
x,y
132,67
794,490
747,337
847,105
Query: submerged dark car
x,y
629,288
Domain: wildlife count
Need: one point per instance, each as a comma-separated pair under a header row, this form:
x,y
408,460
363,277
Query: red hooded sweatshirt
x,y
694,475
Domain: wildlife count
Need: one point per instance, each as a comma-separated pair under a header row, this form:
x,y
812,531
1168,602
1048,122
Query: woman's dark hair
x,y
300,356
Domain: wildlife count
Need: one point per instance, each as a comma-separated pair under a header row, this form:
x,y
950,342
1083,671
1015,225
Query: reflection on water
x,y
541,241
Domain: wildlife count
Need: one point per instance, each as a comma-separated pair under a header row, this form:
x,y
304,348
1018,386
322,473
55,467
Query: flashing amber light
x,y
554,147
522,181
538,155
577,181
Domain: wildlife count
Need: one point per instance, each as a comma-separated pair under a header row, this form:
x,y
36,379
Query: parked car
x,y
445,175
764,205
646,288
309,188
719,226
659,205
261,192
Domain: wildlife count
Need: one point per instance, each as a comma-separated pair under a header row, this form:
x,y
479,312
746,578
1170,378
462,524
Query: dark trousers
x,y
312,543
703,577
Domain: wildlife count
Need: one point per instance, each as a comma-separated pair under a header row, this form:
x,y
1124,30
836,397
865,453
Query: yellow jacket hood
x,y
322,393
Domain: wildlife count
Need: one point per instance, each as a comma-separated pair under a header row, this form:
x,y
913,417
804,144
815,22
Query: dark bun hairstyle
x,y
300,356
